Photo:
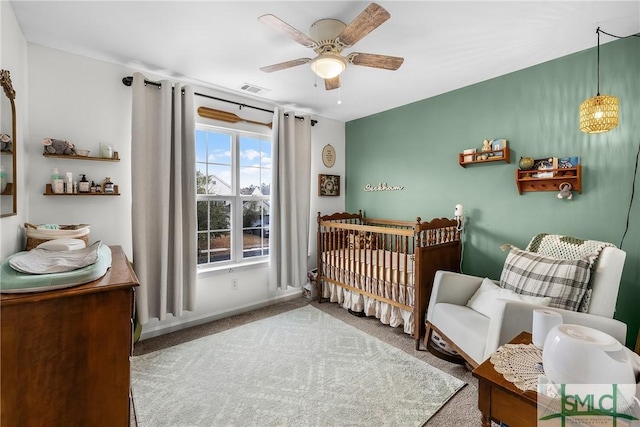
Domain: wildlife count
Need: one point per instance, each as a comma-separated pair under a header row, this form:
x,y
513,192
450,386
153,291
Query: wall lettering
x,y
383,186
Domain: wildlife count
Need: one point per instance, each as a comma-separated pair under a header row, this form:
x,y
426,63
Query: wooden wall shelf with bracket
x,y
526,182
8,189
502,155
115,158
48,192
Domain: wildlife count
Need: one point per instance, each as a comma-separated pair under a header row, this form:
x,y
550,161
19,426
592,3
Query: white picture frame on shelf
x,y
469,155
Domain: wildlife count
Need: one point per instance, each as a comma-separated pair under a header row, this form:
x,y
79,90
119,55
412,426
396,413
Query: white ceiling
x,y
221,44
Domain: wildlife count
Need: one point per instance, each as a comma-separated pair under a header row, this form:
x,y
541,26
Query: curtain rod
x,y
127,81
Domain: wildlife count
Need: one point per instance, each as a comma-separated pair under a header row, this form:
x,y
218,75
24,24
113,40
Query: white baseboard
x,y
179,324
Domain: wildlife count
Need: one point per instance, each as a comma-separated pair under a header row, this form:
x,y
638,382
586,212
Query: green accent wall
x,y
536,110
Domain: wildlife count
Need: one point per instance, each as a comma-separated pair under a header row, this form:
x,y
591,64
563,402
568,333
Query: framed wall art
x,y
328,156
328,185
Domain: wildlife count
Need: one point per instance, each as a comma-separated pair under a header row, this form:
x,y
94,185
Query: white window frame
x,y
235,199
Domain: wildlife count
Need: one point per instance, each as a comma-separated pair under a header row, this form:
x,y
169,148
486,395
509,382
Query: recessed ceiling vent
x,y
256,90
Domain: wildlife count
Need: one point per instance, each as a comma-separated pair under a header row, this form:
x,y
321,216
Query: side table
x,y
500,400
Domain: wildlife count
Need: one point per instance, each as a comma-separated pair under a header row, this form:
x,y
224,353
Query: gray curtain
x,y
290,198
163,198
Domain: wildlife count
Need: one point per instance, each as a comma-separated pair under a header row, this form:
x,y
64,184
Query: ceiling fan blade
x,y
333,83
375,61
368,20
284,65
286,29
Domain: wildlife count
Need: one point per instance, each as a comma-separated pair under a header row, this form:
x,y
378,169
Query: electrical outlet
x,y
234,284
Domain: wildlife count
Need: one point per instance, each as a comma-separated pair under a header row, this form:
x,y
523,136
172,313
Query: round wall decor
x,y
328,155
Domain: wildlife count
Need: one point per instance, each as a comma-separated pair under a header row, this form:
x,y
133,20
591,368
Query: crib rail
x,y
437,231
373,257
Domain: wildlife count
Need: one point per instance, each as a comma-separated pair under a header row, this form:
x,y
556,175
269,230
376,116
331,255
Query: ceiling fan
x,y
328,38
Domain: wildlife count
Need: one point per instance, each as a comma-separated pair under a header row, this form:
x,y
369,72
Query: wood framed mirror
x,y
8,152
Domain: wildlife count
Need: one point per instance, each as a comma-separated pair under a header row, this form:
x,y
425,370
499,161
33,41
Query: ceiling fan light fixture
x,y
328,65
328,38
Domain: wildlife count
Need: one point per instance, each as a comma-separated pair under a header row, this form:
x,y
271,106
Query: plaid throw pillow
x,y
565,281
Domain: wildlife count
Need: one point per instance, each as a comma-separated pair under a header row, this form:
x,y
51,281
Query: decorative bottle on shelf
x,y
92,189
54,175
57,184
83,185
107,152
108,186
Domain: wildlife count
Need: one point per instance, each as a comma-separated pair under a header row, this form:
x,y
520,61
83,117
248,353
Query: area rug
x,y
299,368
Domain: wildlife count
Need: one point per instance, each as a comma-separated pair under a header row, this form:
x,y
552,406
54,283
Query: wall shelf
x,y
99,159
48,192
525,181
8,189
502,155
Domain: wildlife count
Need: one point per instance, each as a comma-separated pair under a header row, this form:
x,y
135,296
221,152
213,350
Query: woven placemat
x,y
520,364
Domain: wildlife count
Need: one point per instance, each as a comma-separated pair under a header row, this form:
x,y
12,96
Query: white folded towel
x,y
44,261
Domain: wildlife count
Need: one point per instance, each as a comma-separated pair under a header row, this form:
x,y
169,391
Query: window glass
x,y
255,166
214,231
255,219
233,185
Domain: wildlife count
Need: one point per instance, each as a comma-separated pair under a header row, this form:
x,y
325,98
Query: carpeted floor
x,y
461,410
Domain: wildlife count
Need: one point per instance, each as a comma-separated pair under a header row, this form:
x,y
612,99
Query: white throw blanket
x,y
566,247
44,261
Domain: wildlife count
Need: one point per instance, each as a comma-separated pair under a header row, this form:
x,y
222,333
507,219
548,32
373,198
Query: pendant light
x,y
600,113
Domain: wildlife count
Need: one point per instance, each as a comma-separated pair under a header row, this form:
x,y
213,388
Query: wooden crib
x,y
384,267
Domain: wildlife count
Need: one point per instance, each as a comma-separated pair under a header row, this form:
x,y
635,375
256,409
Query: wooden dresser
x,y
65,354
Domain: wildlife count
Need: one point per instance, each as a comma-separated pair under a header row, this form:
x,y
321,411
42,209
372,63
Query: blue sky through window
x,y
214,159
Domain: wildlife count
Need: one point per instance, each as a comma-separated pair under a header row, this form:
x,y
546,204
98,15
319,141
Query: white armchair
x,y
475,336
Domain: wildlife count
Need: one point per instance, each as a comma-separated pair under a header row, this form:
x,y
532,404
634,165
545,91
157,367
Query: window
x,y
233,181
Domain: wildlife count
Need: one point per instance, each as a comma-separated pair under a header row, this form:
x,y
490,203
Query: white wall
x,y
13,57
83,100
325,132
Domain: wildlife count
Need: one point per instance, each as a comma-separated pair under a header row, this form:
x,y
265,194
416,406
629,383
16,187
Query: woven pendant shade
x,y
599,114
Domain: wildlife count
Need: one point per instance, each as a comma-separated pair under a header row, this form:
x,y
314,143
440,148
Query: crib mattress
x,y
12,281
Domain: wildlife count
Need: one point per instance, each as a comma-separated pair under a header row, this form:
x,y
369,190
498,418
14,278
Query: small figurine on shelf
x,y
486,149
526,163
58,146
5,142
565,191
